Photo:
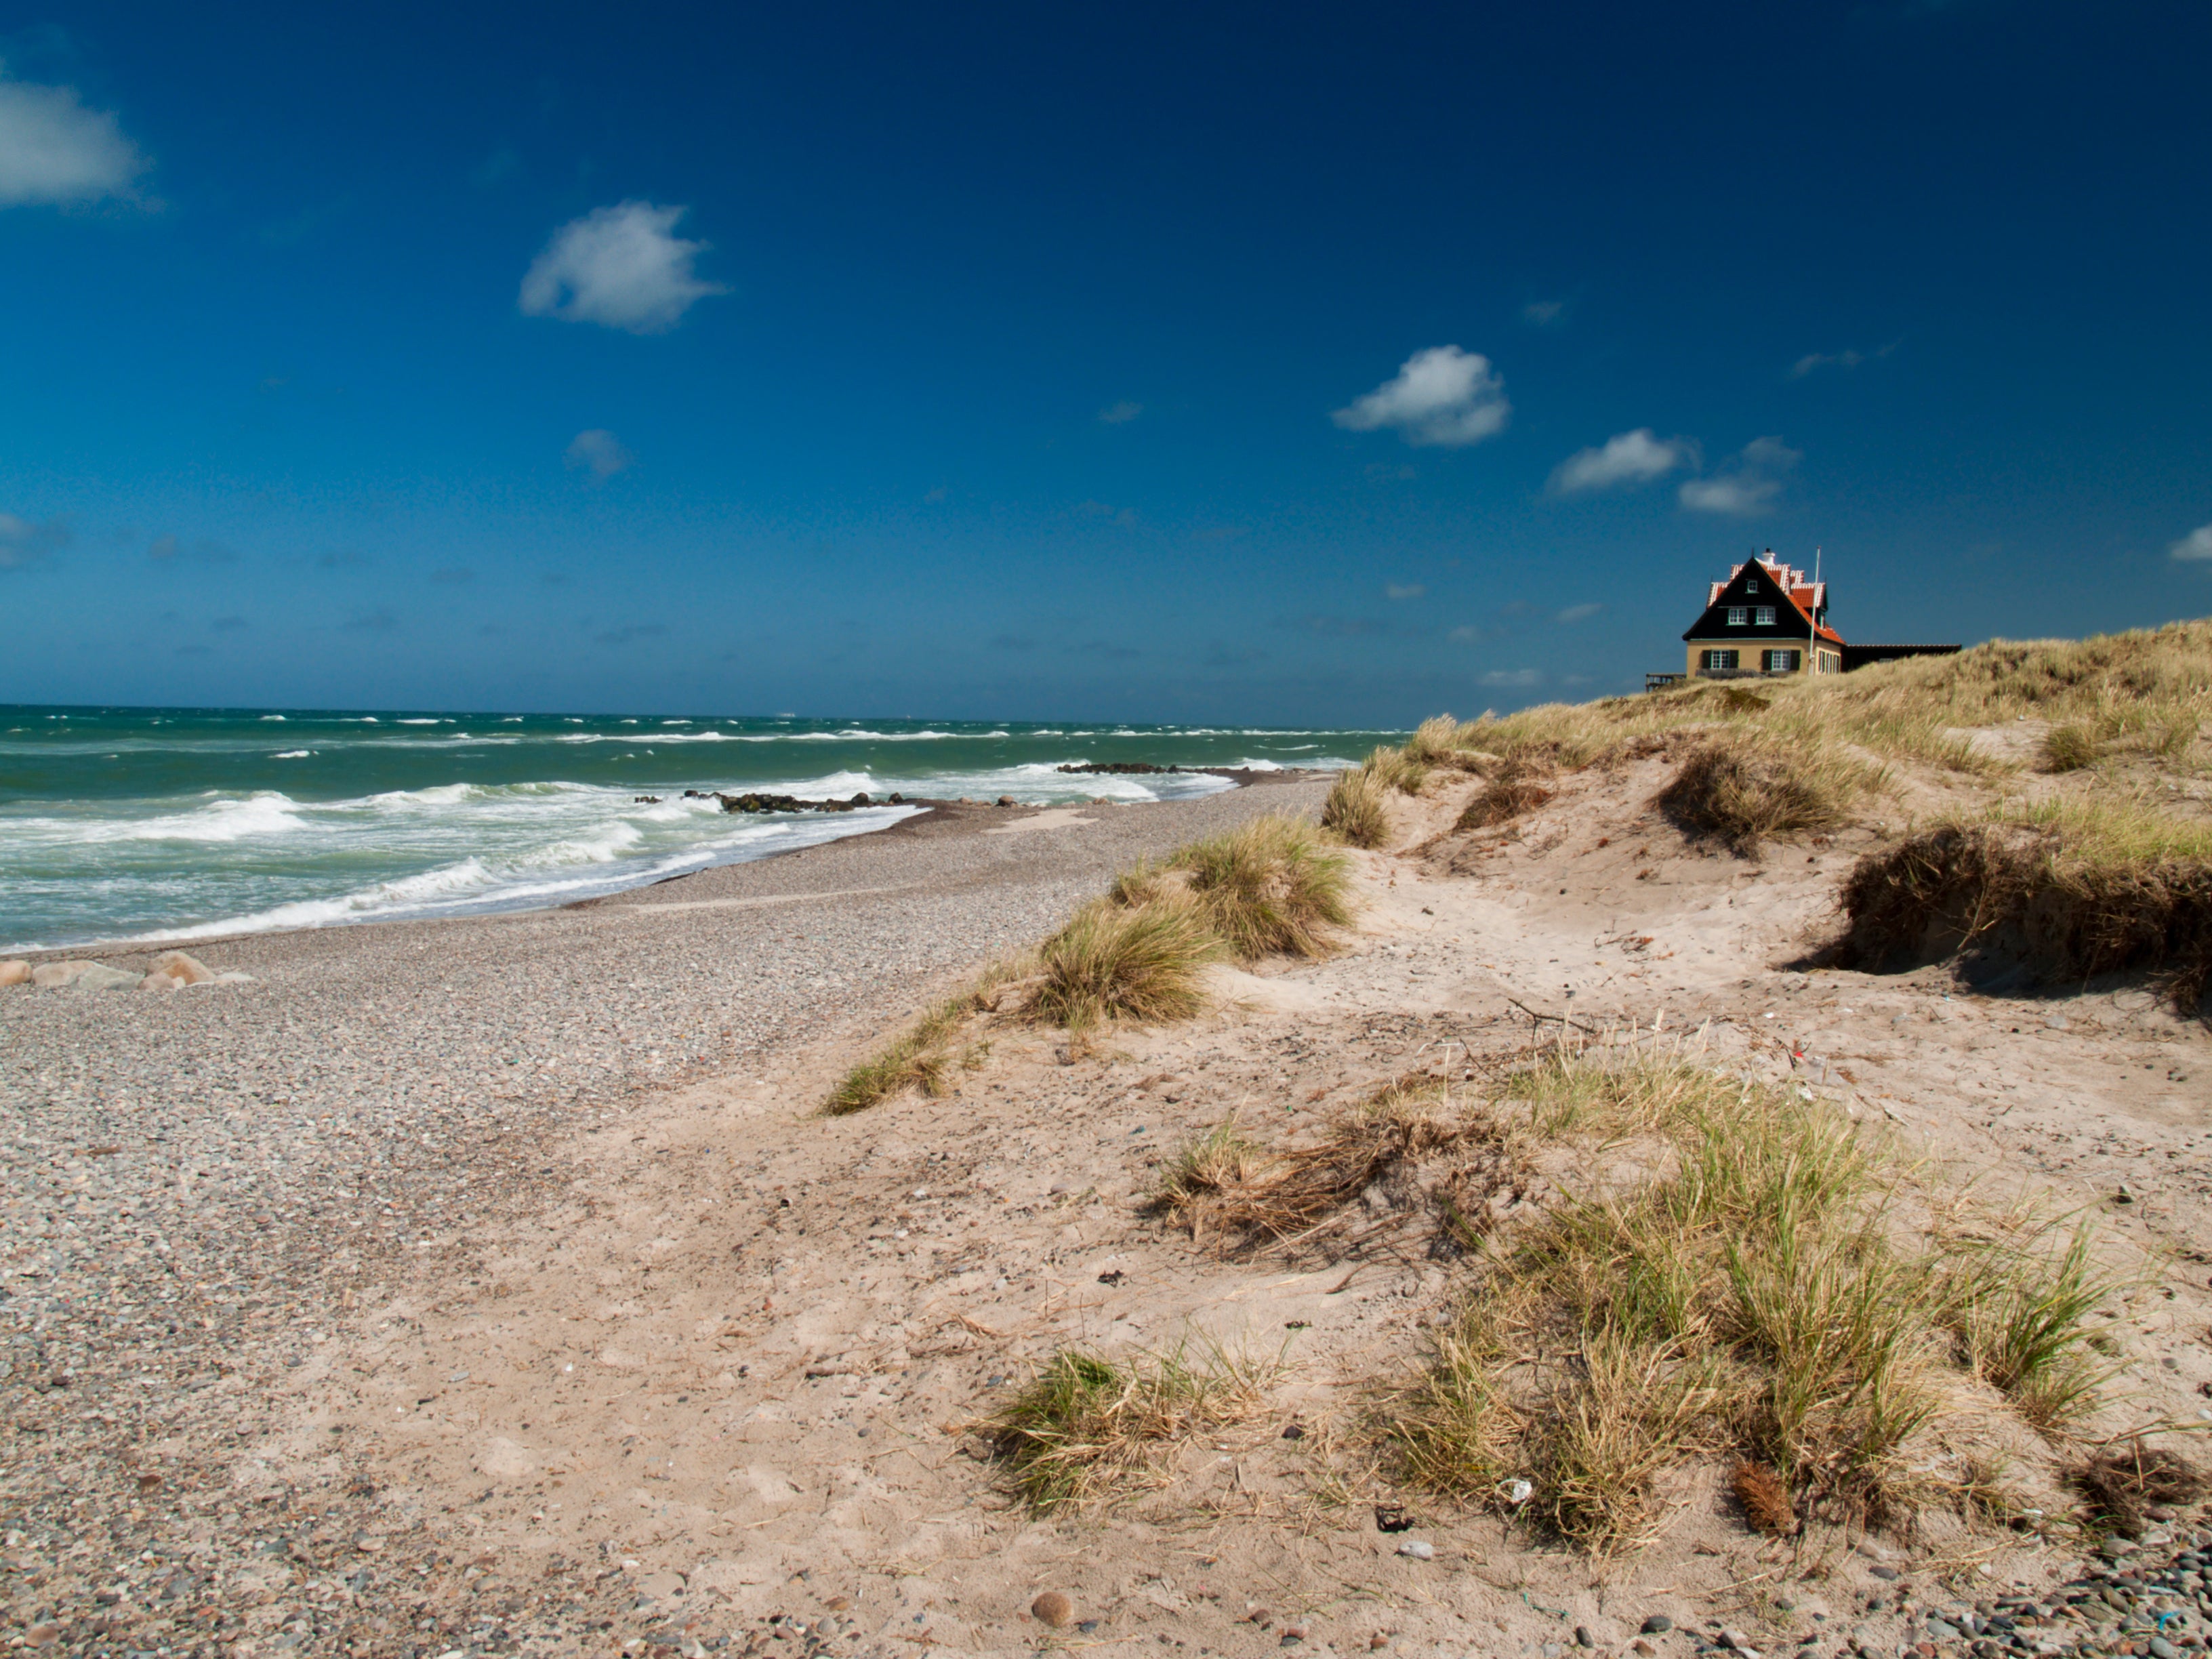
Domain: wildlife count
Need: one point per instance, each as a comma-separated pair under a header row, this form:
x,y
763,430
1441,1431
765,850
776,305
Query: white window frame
x,y
1763,617
1711,661
1738,615
1782,661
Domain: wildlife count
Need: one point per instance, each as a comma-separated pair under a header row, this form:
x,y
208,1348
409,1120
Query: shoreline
x,y
149,947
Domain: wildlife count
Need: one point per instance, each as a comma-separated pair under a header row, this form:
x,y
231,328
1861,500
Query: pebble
x,y
1052,1608
1658,1625
1419,1550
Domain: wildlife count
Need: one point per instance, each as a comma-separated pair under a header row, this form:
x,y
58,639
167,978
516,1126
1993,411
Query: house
x,y
1766,619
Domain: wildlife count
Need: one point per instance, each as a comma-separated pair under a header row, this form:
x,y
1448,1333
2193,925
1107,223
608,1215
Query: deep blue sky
x,y
1021,375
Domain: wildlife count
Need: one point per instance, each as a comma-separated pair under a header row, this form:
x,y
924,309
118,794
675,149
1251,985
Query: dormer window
x,y
1751,584
1738,615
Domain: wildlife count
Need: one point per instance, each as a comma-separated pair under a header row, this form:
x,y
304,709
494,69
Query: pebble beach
x,y
193,1182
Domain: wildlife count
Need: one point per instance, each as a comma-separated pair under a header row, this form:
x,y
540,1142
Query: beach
x,y
495,1285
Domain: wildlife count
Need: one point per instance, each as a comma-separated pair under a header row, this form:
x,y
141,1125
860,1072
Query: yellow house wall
x,y
1749,655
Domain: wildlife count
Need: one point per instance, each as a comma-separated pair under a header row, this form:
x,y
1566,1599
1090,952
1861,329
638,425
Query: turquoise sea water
x,y
154,822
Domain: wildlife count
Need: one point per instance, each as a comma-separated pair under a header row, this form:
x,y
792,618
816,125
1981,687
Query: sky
x,y
1278,364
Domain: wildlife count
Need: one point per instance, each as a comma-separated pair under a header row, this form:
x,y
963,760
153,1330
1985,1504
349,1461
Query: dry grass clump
x,y
1355,811
1268,887
1758,1492
1299,1198
1087,1427
1516,785
1744,791
1436,742
2069,749
2121,1481
1111,961
922,1057
1761,1295
2073,888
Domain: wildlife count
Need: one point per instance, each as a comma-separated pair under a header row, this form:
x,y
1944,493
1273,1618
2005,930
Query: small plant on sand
x,y
1088,1427
2069,748
1269,887
1436,742
1763,1296
1111,961
1516,785
919,1057
1355,811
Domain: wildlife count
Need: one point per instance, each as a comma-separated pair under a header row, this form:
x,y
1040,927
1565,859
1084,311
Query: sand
x,y
490,1287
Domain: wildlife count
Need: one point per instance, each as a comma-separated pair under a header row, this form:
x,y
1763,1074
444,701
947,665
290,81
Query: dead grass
x,y
2072,888
1515,785
1356,811
1763,1498
2121,1481
1739,1274
1409,1148
1088,1428
1744,790
1269,887
1111,961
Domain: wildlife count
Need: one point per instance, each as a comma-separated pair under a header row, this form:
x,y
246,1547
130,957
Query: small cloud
x,y
2197,544
53,150
489,630
1575,613
1403,590
164,547
1233,656
1544,313
939,494
290,233
269,384
1121,414
226,624
22,541
371,621
1813,361
1470,634
348,559
629,631
1523,677
1626,458
1226,532
1440,397
1126,517
1749,485
620,267
496,168
453,577
1391,472
1012,642
597,452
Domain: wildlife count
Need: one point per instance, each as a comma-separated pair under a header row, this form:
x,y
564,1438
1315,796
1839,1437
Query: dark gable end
x,y
1750,587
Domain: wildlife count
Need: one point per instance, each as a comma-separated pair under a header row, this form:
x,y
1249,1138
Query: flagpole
x,y
1812,639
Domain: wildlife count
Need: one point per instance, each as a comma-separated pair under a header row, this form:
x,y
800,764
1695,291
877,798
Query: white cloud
x,y
2197,544
619,266
1543,312
1575,613
1403,590
1750,484
1626,458
1121,414
22,541
599,451
1442,396
52,148
1813,360
1515,677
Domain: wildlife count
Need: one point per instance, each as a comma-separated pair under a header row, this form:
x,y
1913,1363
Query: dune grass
x,y
1766,1296
1113,962
1088,1428
1357,810
921,1057
1744,789
1269,887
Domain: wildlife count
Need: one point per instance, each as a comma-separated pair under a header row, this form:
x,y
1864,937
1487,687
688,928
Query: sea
x,y
163,825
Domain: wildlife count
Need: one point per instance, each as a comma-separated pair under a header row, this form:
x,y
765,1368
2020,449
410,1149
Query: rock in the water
x,y
1052,1608
15,973
184,968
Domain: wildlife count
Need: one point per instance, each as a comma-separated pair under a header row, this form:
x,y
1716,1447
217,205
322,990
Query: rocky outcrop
x,y
759,803
15,973
1116,769
184,968
173,970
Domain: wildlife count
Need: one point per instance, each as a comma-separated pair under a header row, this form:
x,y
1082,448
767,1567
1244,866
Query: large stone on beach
x,y
160,982
83,976
15,973
184,968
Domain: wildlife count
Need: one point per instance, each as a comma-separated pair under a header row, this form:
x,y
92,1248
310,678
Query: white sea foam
x,y
293,754
223,818
272,717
